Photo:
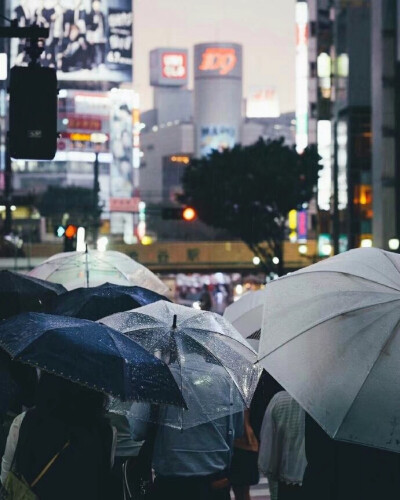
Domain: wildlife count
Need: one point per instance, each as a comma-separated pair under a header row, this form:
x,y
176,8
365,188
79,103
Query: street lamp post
x,y
96,191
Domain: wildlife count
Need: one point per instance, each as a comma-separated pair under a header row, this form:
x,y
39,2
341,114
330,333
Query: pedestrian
x,y
125,474
346,471
282,447
192,463
244,469
67,432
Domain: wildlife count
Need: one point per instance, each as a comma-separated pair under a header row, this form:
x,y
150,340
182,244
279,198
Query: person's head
x,y
96,6
64,400
74,33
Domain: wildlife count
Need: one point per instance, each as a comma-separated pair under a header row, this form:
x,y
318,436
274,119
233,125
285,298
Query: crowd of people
x,y
61,439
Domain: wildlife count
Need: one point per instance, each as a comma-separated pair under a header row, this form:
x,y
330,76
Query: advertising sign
x,y
262,102
168,67
89,39
121,142
218,60
217,137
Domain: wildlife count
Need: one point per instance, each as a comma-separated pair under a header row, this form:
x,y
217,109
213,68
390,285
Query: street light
x,y
256,260
275,260
302,249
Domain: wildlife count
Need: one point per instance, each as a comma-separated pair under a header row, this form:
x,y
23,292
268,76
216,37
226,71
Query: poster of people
x,y
89,39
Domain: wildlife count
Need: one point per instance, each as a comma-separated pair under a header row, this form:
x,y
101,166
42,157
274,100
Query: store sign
x,y
174,65
84,123
89,40
262,102
218,59
169,67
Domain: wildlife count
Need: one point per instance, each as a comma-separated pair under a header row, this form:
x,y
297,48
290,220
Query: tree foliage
x,y
250,190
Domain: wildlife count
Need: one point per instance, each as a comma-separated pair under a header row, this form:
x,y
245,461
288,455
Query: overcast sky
x,y
265,28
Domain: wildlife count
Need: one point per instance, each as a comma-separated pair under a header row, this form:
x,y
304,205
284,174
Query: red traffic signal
x,y
70,231
189,214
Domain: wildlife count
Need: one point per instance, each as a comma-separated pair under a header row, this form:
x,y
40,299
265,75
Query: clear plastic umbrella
x,y
211,362
93,268
331,337
246,316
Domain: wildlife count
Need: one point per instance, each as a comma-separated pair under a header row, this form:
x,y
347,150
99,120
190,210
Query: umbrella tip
x,y
174,323
86,248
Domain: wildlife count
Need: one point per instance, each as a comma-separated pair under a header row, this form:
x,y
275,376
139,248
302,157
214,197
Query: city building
x,y
99,124
338,115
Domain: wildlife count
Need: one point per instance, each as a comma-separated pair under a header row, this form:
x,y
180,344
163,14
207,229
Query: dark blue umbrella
x,y
91,354
20,293
100,301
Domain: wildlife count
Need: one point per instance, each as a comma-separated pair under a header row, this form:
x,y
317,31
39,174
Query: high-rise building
x,y
339,117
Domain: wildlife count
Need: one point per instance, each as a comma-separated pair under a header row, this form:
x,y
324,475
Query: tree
x,y
250,190
81,205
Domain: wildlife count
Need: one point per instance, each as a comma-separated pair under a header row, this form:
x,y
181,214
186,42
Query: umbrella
x,y
330,336
90,354
21,293
93,268
210,361
97,302
246,316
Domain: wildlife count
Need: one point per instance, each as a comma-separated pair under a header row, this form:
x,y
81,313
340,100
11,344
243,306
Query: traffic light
x,y
178,213
70,238
33,113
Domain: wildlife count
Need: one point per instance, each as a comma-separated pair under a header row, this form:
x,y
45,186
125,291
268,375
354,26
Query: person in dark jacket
x,y
346,471
69,422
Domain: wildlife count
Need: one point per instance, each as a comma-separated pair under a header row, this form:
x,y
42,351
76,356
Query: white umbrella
x,y
246,315
94,268
330,336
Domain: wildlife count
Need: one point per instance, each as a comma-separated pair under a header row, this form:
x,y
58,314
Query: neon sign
x,y
218,59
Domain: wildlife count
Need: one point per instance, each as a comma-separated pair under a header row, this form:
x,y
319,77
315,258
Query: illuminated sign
x,y
302,226
84,123
180,159
89,40
301,76
324,131
168,67
262,103
218,59
3,66
174,65
124,204
80,137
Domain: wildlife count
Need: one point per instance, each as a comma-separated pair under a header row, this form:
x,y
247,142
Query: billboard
x,y
262,102
217,137
169,67
218,60
90,40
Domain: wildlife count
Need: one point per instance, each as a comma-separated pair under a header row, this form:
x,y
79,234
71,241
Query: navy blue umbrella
x,y
91,354
21,293
100,301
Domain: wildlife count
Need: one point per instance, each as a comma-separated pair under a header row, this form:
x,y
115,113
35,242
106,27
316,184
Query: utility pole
x,y
96,191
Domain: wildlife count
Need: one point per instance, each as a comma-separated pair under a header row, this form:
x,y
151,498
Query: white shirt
x,y
282,455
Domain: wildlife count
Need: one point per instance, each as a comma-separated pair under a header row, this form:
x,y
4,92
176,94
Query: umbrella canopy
x,y
331,337
210,361
22,293
94,268
246,316
91,354
97,302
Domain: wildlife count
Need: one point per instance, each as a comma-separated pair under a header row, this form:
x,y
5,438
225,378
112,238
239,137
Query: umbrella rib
x,y
215,357
322,322
291,276
392,333
238,341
